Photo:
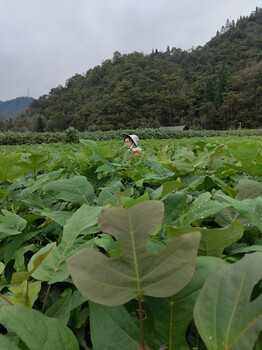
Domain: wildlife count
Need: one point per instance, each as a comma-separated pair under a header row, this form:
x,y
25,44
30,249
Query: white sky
x,y
45,42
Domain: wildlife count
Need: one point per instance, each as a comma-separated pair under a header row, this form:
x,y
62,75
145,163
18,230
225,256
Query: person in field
x,y
131,142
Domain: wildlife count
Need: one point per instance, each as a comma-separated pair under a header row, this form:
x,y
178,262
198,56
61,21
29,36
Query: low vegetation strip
x,y
71,135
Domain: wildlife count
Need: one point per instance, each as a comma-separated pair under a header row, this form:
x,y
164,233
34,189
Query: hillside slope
x,y
217,86
15,107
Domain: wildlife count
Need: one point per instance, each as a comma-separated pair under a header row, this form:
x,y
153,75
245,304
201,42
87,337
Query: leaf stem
x,y
171,324
20,234
9,302
46,296
141,322
26,294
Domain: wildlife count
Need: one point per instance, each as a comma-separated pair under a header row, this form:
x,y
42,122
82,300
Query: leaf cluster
x,y
101,252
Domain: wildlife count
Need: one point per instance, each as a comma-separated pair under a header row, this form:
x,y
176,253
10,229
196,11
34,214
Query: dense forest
x,y
217,86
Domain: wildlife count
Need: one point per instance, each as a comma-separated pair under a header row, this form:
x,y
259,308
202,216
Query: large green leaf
x,y
34,162
248,189
61,308
9,170
135,272
11,224
206,182
58,216
165,189
53,269
244,152
249,209
213,241
188,162
174,205
76,190
5,343
201,208
38,331
248,156
224,315
172,316
112,328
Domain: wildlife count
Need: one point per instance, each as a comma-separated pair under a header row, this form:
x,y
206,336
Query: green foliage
x,y
98,252
134,274
38,331
224,314
28,138
71,135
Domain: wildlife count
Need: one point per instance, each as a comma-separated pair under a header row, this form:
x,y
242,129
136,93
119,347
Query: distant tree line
x,y
217,86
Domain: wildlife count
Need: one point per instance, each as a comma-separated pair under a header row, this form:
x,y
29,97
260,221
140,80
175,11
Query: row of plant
x,y
71,135
101,252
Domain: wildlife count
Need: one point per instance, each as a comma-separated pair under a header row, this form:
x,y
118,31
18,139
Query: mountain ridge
x,y
215,86
14,107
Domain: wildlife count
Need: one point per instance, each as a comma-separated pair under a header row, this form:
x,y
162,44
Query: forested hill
x,y
217,86
15,107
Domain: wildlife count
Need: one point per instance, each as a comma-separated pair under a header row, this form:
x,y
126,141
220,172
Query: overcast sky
x,y
45,42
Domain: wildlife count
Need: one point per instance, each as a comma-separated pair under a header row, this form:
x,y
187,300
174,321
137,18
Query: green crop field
x,y
104,251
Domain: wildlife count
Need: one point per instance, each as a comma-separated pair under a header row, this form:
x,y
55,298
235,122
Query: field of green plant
x,y
104,251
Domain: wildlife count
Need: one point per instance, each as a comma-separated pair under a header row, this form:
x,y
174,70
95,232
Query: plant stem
x,y
20,234
141,322
46,296
171,324
26,293
9,302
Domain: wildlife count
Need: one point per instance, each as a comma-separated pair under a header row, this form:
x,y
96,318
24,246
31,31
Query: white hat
x,y
134,138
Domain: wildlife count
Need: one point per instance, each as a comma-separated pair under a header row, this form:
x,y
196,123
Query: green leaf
x,y
53,268
34,162
224,315
165,189
250,249
5,343
206,183
188,162
112,328
135,272
201,208
249,209
157,172
23,294
16,242
88,143
129,202
61,308
76,190
104,196
213,241
23,275
19,256
9,170
174,204
248,189
2,268
11,224
244,152
38,331
60,217
172,316
248,156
